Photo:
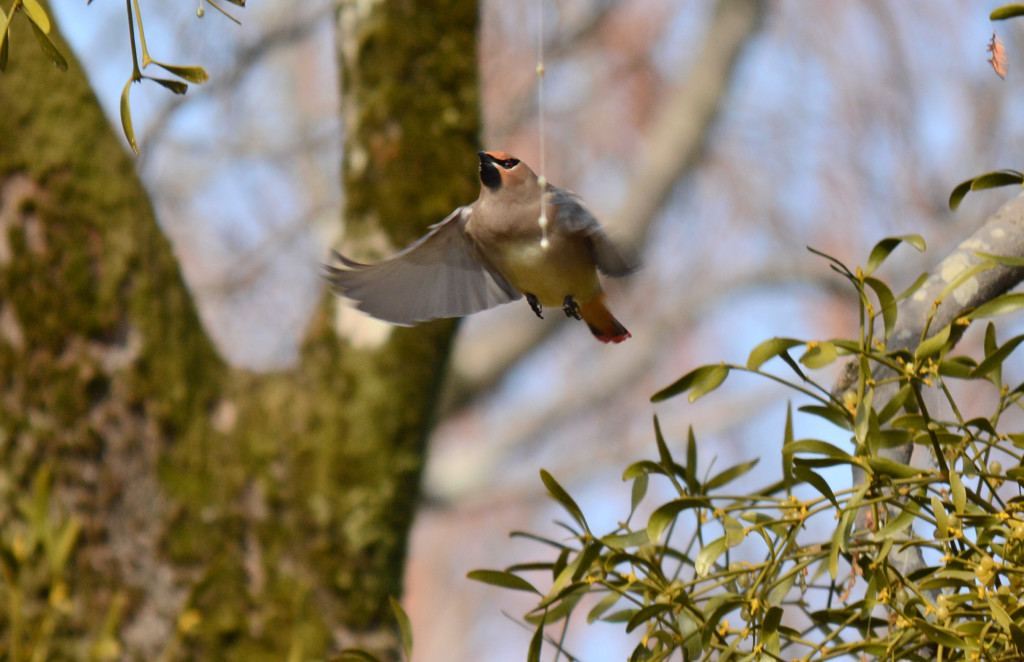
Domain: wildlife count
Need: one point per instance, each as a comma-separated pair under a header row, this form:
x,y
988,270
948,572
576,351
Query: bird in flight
x,y
494,251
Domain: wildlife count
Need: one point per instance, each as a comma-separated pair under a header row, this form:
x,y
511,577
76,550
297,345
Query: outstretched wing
x,y
611,259
441,275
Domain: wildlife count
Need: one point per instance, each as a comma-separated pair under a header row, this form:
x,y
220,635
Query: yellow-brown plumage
x,y
491,252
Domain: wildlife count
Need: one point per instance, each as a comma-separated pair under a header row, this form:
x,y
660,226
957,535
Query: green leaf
x,y
886,246
770,629
957,491
536,641
175,86
940,635
126,118
703,376
941,518
964,276
734,531
37,15
561,496
1002,260
1000,305
717,607
622,541
862,419
688,629
894,404
502,579
931,346
648,613
566,602
896,525
639,491
787,438
643,467
769,349
819,355
831,413
817,447
893,438
606,603
663,453
621,616
886,303
730,474
690,473
959,367
996,179
709,382
994,360
404,626
664,515
888,467
49,48
914,287
3,40
959,193
586,558
910,422
781,589
195,75
840,538
1005,12
987,180
706,557
806,475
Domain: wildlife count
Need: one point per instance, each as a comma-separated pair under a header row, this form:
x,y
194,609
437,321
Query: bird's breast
x,y
564,267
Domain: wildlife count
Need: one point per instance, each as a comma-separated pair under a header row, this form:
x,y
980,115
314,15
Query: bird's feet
x,y
570,307
534,305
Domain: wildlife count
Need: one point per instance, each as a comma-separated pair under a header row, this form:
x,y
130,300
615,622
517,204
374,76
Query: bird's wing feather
x,y
612,259
441,275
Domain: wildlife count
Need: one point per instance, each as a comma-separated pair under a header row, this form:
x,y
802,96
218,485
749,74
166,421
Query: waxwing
x,y
492,252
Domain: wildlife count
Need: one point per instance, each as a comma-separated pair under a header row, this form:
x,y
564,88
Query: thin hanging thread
x,y
542,180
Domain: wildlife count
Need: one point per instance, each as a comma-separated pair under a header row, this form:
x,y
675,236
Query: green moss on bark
x,y
242,517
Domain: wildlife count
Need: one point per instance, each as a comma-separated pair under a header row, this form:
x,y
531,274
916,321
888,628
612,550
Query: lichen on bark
x,y
224,515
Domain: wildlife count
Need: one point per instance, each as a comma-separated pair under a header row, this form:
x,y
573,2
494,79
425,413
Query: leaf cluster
x,y
37,608
799,568
39,20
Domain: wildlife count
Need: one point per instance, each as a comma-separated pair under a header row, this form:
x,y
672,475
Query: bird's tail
x,y
602,323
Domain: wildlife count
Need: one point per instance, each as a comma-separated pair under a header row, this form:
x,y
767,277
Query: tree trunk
x,y
219,514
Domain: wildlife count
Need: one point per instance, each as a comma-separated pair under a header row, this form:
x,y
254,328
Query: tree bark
x,y
222,514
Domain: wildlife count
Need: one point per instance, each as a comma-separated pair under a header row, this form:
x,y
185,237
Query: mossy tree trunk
x,y
219,514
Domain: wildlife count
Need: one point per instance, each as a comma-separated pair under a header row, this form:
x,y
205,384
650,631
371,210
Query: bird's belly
x,y
550,274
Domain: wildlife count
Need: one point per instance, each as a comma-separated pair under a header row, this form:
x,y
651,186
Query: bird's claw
x,y
570,307
534,305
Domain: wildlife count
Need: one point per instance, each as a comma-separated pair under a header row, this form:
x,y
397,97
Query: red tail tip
x,y
614,339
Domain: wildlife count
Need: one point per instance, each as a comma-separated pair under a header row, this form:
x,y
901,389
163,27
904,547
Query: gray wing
x,y
441,275
612,259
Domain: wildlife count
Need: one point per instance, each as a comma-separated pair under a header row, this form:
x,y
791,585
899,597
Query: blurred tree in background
x,y
156,503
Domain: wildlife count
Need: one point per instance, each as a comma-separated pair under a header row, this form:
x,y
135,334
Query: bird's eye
x,y
508,164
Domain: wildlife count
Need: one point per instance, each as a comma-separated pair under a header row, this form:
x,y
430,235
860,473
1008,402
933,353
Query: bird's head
x,y
498,169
